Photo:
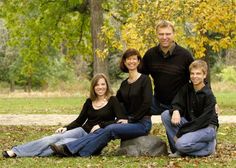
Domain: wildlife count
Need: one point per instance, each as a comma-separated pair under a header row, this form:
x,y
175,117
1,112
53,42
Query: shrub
x,y
228,74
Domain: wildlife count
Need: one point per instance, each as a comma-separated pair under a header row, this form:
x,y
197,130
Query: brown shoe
x,y
60,150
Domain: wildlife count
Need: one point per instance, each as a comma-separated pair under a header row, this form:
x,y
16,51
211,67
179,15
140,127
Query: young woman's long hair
x,y
94,81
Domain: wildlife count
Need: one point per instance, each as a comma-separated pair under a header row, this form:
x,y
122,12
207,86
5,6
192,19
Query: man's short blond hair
x,y
199,64
165,23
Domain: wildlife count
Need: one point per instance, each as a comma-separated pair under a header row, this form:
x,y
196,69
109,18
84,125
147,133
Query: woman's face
x,y
101,87
132,62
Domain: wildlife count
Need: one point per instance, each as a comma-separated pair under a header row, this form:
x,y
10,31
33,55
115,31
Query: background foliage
x,y
45,42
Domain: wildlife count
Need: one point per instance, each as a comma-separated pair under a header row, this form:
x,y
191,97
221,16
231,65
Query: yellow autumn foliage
x,y
200,24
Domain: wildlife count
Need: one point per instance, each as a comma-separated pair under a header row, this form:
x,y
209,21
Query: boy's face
x,y
197,76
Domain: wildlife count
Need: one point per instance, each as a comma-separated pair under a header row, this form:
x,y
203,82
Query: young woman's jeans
x,y
198,143
41,147
95,142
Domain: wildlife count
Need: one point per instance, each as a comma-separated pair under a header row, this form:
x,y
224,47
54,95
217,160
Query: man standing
x,y
168,64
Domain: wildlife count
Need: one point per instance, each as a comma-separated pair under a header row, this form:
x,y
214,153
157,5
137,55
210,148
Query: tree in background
x,y
43,32
47,32
100,63
206,27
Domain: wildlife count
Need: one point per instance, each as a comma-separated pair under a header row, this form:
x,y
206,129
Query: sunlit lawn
x,y
227,102
73,105
12,135
58,105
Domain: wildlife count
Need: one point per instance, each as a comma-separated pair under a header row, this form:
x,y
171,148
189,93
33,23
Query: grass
x,y
10,136
51,105
73,105
227,102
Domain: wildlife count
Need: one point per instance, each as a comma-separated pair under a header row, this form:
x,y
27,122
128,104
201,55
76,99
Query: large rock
x,y
143,146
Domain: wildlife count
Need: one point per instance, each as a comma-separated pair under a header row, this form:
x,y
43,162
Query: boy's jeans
x,y
198,143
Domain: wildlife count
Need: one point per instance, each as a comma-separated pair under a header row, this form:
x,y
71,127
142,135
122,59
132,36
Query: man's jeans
x,y
198,143
157,108
95,142
41,147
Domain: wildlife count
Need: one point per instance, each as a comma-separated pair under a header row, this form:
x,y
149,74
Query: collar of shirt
x,y
170,52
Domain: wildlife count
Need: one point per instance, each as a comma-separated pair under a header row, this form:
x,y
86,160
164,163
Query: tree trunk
x,y
207,59
12,86
64,48
29,84
100,65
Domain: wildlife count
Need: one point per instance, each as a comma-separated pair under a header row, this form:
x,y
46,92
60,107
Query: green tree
x,y
45,30
36,28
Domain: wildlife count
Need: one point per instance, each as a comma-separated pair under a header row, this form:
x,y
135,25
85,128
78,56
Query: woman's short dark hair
x,y
128,53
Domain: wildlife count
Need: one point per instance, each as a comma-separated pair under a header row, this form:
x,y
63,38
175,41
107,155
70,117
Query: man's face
x,y
165,36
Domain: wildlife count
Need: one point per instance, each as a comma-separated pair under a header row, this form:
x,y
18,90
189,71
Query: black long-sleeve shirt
x,y
136,97
103,117
197,107
169,73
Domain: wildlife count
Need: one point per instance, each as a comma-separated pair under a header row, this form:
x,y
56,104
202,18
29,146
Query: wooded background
x,y
44,42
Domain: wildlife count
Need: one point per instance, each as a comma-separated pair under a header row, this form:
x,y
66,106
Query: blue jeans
x,y
157,108
41,147
95,142
198,143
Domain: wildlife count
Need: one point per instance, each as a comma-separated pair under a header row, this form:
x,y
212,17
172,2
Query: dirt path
x,y
53,119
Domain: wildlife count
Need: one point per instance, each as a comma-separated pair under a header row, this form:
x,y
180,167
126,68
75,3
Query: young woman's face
x,y
132,62
197,76
101,87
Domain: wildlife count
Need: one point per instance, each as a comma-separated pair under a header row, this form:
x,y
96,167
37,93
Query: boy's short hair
x,y
165,23
200,64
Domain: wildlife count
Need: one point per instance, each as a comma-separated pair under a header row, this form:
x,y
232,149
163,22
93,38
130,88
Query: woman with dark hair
x,y
99,110
135,94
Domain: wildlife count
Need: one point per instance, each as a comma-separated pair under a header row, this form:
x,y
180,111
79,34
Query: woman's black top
x,y
103,117
136,97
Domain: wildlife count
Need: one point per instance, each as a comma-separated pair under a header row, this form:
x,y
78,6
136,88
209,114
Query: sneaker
x,y
214,147
60,150
175,155
8,154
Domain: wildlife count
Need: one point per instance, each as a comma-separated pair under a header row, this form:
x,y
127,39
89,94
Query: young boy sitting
x,y
192,122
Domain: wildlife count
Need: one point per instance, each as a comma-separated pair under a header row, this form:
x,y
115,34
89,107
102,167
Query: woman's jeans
x,y
198,143
41,147
93,143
